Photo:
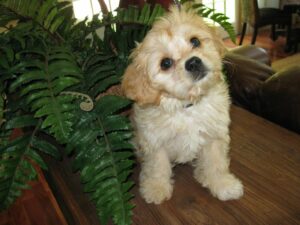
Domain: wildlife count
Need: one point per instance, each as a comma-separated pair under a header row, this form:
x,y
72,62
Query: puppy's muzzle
x,y
195,66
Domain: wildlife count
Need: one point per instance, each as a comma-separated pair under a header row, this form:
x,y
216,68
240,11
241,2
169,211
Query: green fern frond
x,y
121,34
4,133
2,102
1,108
104,157
45,13
42,83
20,122
133,15
219,18
86,105
7,60
17,159
99,74
6,57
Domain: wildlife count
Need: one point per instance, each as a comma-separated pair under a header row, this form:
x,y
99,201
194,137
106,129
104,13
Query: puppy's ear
x,y
137,86
218,42
220,46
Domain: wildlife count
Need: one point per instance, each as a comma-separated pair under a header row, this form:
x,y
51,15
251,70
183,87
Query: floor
x,y
265,157
38,205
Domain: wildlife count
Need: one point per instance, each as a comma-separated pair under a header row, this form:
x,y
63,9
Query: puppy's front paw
x,y
227,187
156,191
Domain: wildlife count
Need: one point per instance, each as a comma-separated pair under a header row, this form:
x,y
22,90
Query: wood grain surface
x,y
37,206
267,160
264,156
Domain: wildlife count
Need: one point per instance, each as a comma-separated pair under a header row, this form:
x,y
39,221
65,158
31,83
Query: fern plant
x,y
211,14
54,72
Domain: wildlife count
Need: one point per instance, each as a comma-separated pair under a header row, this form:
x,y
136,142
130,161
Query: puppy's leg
x,y
212,171
155,177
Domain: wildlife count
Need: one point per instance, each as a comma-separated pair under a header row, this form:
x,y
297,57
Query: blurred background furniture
x,y
292,7
271,91
260,17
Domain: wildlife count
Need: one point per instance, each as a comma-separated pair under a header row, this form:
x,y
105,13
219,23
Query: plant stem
x,y
103,7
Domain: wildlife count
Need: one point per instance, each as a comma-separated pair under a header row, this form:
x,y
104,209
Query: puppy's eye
x,y
166,63
195,42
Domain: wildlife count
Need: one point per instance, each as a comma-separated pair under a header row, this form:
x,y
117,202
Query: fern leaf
x,y
104,158
145,13
47,14
111,104
185,1
56,23
219,18
16,163
8,53
42,84
99,74
20,121
6,56
44,10
50,17
133,15
115,122
45,147
104,85
157,12
36,96
1,108
95,60
34,5
25,78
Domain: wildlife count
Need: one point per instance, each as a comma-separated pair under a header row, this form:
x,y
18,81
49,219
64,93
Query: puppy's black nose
x,y
195,66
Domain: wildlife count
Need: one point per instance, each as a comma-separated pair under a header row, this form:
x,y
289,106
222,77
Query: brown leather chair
x,y
257,87
259,17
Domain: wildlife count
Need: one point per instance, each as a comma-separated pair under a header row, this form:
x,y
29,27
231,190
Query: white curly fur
x,y
167,131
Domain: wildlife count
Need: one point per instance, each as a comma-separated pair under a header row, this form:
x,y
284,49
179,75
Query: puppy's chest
x,y
188,121
184,134
179,133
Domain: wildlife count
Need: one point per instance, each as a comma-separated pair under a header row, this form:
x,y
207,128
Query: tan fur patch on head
x,y
137,87
145,79
218,42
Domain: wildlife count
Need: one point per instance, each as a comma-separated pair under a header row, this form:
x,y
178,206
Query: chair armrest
x,y
245,77
253,52
280,98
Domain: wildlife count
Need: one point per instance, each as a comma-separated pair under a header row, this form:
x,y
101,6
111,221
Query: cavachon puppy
x,y
181,109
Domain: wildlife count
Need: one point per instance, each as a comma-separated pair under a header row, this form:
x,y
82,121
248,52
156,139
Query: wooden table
x,y
264,156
